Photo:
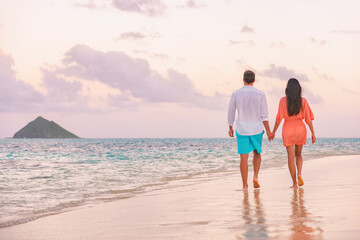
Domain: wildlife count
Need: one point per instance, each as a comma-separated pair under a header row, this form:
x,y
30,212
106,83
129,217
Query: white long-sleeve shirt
x,y
251,106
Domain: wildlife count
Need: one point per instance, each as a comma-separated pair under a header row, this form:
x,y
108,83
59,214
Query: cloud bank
x,y
15,93
134,76
131,80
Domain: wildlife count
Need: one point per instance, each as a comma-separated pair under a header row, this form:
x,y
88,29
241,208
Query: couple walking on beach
x,y
252,115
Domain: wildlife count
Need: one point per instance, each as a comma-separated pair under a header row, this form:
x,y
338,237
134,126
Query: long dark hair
x,y
293,95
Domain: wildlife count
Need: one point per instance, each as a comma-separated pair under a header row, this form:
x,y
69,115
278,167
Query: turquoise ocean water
x,y
39,177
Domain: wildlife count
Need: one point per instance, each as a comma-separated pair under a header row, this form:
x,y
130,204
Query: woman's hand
x,y
270,135
273,135
313,138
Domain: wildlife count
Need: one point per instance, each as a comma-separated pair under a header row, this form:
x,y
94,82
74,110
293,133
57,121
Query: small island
x,y
42,128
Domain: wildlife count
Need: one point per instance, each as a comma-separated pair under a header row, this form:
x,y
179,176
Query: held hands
x,y
270,135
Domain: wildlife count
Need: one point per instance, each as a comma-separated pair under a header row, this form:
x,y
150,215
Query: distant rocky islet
x,y
42,128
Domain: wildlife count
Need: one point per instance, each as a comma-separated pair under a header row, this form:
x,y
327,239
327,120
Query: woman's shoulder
x,y
304,101
283,99
283,102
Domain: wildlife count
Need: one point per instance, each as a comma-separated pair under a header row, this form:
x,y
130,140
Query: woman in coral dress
x,y
294,108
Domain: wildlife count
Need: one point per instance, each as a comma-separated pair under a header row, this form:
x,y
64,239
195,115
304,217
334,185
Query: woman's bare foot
x,y
300,180
256,183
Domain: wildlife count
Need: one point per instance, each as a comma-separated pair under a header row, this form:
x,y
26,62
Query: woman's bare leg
x,y
291,163
244,170
299,159
299,163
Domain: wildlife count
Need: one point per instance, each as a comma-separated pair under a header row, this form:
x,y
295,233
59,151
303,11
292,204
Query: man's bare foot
x,y
294,185
256,183
245,189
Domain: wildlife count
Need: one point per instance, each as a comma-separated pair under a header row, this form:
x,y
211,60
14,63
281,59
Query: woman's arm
x,y
275,128
313,138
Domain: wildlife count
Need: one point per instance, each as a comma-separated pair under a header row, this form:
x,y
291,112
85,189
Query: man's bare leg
x,y
256,165
244,170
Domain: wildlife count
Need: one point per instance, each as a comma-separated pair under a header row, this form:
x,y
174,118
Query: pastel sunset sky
x,y
167,68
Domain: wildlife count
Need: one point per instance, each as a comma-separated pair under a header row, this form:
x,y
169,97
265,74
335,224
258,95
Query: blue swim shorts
x,y
247,144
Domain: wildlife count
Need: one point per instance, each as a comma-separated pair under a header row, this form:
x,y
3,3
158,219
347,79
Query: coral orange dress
x,y
294,130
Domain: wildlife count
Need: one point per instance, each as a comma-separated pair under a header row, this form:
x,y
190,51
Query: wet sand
x,y
326,207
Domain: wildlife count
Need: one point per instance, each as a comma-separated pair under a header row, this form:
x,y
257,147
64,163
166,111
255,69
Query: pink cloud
x,y
310,96
134,75
321,42
147,7
246,29
19,96
283,73
131,35
278,44
90,5
59,89
134,79
248,42
192,4
152,55
15,94
137,36
346,32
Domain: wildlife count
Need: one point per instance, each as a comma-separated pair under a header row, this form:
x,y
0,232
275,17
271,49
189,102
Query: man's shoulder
x,y
258,91
248,89
237,91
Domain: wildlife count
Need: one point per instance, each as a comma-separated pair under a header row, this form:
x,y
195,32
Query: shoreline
x,y
216,208
166,184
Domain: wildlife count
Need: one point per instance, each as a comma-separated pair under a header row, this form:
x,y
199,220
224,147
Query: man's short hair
x,y
249,76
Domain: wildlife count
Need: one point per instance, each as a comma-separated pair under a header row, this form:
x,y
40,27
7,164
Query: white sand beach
x,y
326,207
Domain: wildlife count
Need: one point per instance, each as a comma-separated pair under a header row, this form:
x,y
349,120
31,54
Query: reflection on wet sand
x,y
255,226
301,221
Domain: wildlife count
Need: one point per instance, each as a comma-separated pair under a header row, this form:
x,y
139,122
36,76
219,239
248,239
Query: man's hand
x,y
231,131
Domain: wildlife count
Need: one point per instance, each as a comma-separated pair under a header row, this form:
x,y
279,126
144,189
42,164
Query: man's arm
x,y
264,113
269,134
231,131
231,115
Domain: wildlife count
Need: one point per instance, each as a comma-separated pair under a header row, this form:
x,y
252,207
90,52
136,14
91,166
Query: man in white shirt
x,y
251,106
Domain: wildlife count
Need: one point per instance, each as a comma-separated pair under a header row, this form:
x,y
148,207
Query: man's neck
x,y
249,84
